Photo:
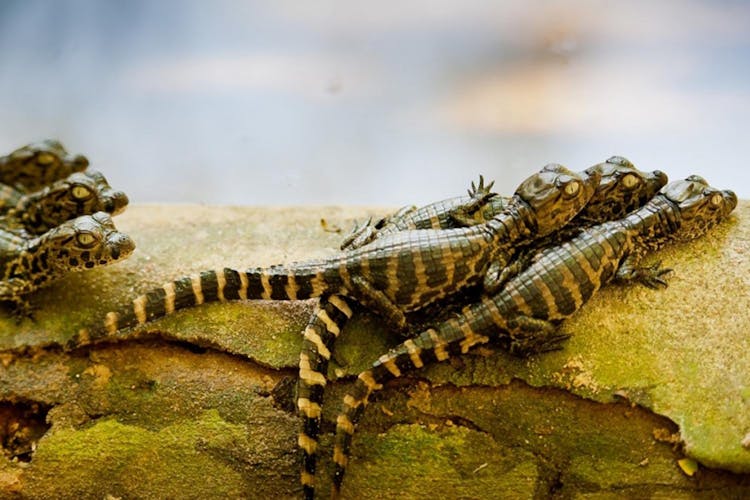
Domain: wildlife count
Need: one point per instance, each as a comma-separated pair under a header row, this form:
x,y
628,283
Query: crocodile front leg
x,y
651,276
464,215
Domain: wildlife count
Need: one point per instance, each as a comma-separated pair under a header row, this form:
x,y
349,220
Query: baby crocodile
x,y
622,188
36,165
618,174
81,193
525,314
27,264
396,274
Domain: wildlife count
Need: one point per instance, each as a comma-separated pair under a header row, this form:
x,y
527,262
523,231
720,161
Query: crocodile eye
x,y
571,189
86,239
44,158
80,192
717,200
630,181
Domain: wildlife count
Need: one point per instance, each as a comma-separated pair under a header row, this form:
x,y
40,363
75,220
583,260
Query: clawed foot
x,y
480,194
359,235
362,235
537,344
480,191
653,276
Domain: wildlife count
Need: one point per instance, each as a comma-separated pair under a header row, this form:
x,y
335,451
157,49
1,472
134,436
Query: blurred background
x,y
374,103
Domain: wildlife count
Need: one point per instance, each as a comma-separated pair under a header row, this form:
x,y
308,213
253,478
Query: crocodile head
x,y
556,195
82,243
699,205
623,188
81,193
36,165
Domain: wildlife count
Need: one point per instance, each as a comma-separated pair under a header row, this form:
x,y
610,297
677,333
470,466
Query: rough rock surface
x,y
652,385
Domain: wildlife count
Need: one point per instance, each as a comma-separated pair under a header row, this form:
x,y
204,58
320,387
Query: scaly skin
x,y
622,189
482,205
81,193
524,315
394,275
27,264
36,165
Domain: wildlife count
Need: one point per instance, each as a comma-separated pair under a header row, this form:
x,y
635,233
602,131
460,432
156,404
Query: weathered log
x,y
200,404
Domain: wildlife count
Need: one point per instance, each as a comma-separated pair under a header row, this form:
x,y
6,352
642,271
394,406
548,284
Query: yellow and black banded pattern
x,y
525,314
393,275
318,339
396,274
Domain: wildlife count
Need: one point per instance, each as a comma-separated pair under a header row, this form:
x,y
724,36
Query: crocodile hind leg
x,y
529,336
330,315
455,336
359,235
379,302
362,235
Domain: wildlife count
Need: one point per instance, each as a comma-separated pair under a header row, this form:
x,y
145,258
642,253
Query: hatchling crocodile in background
x,y
81,193
39,164
54,219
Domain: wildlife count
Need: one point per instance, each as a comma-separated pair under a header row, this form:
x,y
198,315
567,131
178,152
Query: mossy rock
x,y
198,405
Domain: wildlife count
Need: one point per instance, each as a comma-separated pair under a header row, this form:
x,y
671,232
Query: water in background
x,y
387,103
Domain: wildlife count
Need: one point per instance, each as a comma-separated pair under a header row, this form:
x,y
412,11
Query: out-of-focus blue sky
x,y
385,103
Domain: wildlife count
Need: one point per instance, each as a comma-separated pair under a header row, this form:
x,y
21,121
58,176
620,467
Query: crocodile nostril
x,y
81,162
660,177
731,199
120,200
121,245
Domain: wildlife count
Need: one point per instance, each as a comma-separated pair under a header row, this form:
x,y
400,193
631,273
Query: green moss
x,y
364,334
134,462
452,462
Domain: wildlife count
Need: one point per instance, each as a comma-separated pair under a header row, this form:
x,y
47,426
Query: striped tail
x,y
327,321
454,336
293,282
